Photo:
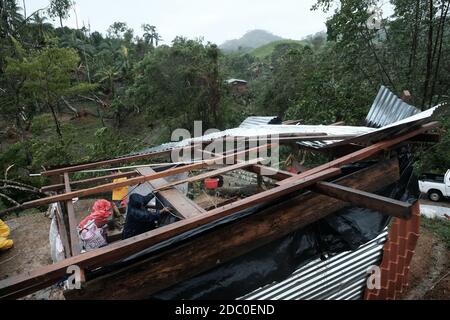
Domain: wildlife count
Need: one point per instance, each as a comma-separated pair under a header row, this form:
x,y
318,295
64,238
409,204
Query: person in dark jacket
x,y
139,219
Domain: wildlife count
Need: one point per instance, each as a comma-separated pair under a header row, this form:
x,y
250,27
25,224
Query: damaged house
x,y
237,228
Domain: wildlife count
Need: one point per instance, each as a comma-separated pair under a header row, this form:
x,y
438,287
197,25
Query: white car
x,y
435,186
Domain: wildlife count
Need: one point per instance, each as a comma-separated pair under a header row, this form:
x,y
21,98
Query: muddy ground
x,y
430,270
429,277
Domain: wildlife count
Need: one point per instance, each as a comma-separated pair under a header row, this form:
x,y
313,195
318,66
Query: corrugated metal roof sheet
x,y
261,130
230,81
400,126
387,108
258,121
341,277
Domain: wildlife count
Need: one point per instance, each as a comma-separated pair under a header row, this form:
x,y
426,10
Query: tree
x,y
108,74
38,32
47,77
151,36
406,51
179,84
118,30
10,18
60,9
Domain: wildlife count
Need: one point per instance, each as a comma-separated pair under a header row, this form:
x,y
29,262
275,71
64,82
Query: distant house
x,y
238,86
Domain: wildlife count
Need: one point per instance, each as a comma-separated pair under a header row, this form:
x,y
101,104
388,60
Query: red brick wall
x,y
397,256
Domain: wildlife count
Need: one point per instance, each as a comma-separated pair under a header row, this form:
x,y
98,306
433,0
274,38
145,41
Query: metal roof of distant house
x,y
231,81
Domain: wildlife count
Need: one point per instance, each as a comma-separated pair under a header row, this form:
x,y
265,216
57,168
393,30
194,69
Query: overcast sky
x,y
215,20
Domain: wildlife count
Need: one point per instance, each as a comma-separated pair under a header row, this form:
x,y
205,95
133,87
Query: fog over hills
x,y
251,40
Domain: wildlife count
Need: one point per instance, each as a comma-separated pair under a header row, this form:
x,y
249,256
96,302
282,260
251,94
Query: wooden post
x,y
74,239
62,230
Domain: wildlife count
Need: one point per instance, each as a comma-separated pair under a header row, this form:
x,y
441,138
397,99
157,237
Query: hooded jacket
x,y
139,220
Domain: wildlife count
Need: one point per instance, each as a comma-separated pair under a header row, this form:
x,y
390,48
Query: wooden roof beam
x,y
209,174
365,152
133,181
92,165
364,199
61,186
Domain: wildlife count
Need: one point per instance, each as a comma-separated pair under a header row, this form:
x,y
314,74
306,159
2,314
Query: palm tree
x,y
151,35
108,74
10,18
44,29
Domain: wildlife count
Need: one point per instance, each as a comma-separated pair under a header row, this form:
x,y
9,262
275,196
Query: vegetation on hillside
x,y
251,40
268,49
69,95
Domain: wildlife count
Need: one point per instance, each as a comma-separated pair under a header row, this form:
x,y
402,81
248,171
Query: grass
x,y
439,227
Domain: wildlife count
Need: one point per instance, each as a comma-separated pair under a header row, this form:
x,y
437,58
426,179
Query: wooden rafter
x,y
364,199
365,152
273,173
259,169
87,166
210,174
73,184
134,181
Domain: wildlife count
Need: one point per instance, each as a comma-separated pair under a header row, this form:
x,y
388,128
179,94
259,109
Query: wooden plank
x,y
125,248
210,174
62,230
283,140
222,203
61,186
141,280
184,206
281,135
273,173
132,181
139,157
364,199
74,240
364,153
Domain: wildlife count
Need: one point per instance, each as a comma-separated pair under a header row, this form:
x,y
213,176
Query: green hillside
x,y
267,50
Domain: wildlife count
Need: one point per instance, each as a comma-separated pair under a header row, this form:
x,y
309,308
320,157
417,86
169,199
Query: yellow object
x,y
5,244
4,230
119,193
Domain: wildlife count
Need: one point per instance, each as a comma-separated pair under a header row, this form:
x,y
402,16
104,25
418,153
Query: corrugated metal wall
x,y
341,277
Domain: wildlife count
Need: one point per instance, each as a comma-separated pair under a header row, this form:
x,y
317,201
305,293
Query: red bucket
x,y
212,183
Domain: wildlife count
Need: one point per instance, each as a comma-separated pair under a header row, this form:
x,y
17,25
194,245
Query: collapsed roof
x,y
247,222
